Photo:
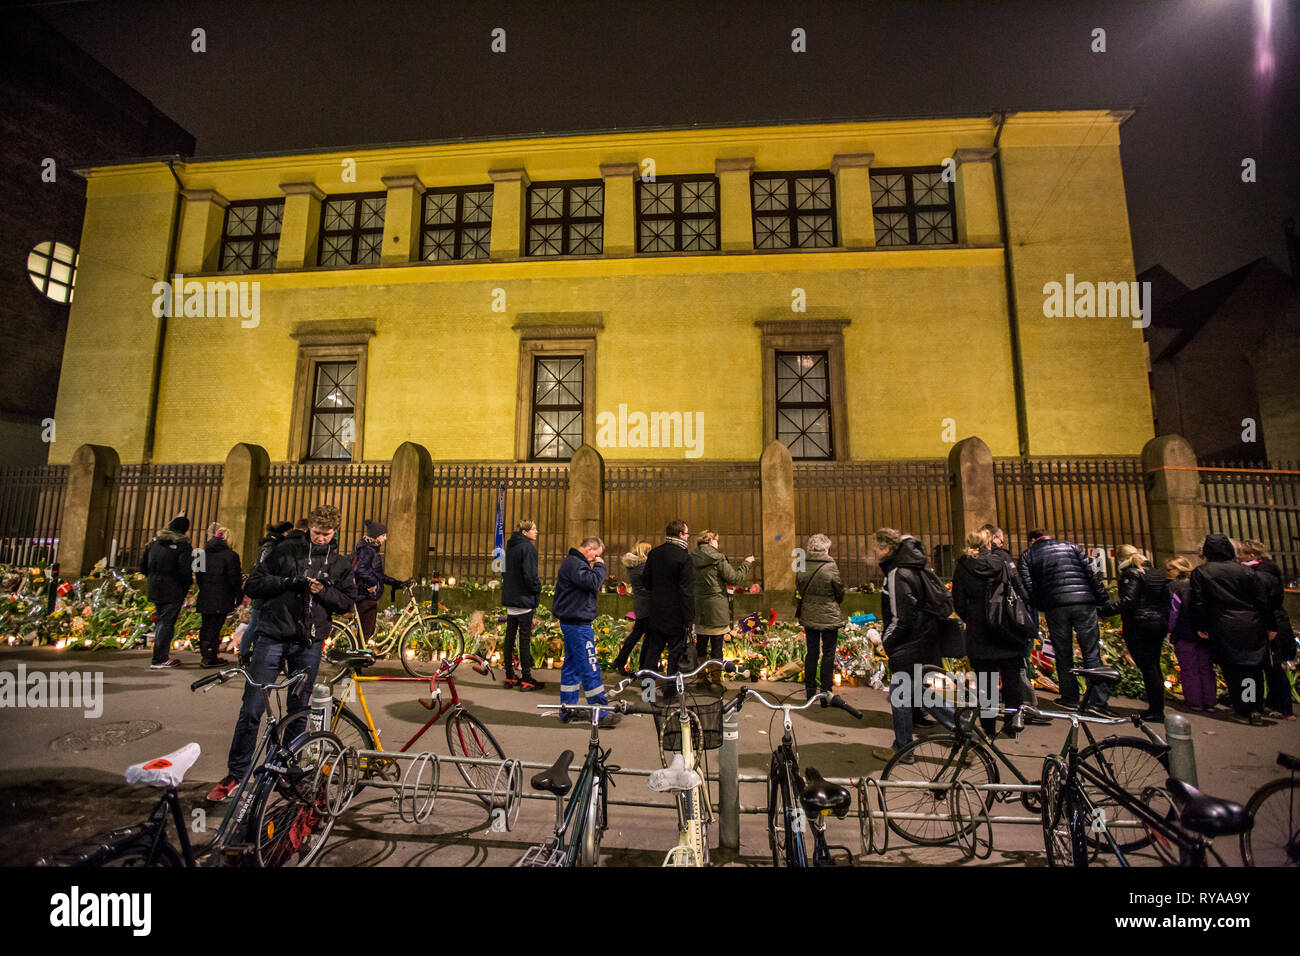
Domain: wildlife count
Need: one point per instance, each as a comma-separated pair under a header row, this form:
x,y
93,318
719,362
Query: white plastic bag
x,y
165,771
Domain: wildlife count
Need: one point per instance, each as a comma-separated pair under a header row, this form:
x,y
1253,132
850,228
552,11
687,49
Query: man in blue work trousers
x,y
581,575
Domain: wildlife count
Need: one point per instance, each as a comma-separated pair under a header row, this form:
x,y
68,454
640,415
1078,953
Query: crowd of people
x,y
1226,611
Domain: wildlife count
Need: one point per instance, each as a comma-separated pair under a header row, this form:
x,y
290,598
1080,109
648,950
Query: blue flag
x,y
499,549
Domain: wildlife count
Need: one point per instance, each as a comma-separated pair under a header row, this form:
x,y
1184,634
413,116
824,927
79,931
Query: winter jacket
x,y
713,572
972,581
1230,603
221,585
168,563
1180,611
822,591
635,565
520,585
669,577
576,588
1056,573
1143,604
288,605
368,570
1270,576
263,549
910,635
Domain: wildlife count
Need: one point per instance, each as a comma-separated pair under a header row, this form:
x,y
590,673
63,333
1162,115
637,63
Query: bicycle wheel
x,y
341,638
293,818
468,737
589,851
1133,764
137,854
351,730
1064,842
787,845
425,644
1274,839
939,758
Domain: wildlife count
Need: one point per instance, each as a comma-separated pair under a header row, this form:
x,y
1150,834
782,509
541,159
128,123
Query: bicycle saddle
x,y
1206,815
1104,673
359,659
820,794
675,776
1288,762
165,771
556,779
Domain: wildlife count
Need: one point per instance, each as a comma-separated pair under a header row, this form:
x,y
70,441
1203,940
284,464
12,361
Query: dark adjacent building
x,y
62,105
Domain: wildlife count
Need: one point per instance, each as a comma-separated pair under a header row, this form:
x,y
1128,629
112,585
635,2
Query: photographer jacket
x,y
280,580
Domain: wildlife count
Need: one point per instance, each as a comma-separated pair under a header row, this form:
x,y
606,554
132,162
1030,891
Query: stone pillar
x,y
970,489
620,208
402,220
1179,522
776,469
243,500
735,204
83,536
202,219
410,507
300,228
509,193
586,508
976,198
852,173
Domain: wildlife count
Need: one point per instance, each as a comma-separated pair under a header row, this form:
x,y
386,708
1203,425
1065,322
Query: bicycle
x,y
681,774
817,797
1071,812
965,753
283,809
581,823
1274,839
423,640
467,736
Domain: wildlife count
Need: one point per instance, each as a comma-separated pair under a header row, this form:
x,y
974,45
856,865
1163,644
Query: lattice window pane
x,y
327,433
934,228
656,199
699,235
699,198
770,194
890,190
440,209
237,256
585,238
657,235
339,214
242,221
812,193
772,233
273,217
587,201
815,231
439,244
559,382
372,213
476,243
546,202
268,249
478,206
891,229
803,410
545,240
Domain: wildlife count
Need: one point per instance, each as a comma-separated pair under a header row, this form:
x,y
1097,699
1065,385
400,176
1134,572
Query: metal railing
x,y
31,511
1246,501
360,492
144,498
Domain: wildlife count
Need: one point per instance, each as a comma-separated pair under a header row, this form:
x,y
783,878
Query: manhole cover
x,y
106,735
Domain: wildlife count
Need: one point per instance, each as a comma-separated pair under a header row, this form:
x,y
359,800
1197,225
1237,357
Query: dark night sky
x,y
331,73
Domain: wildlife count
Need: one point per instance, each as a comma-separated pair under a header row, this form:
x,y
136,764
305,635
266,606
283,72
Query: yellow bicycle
x,y
423,640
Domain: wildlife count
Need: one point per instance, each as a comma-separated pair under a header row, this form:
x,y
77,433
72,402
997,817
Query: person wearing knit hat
x,y
368,570
275,533
167,563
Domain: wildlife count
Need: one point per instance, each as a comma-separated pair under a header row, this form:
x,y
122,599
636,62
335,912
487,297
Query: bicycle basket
x,y
709,712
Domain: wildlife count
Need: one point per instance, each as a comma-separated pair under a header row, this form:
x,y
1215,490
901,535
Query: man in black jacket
x,y
521,589
168,563
302,582
1253,553
368,572
910,636
1063,584
670,580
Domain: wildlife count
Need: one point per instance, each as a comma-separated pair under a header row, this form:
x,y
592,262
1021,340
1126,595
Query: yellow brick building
x,y
843,287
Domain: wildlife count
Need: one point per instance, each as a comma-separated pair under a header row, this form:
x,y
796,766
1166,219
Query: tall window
x,y
803,404
913,207
566,219
557,407
677,214
457,224
333,411
793,210
250,238
352,229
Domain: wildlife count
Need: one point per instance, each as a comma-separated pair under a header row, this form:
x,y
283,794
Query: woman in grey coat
x,y
821,594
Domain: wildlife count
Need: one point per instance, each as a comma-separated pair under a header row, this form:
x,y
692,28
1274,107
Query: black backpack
x,y
937,603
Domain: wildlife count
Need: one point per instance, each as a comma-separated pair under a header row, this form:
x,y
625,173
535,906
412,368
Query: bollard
x,y
1182,749
52,590
729,783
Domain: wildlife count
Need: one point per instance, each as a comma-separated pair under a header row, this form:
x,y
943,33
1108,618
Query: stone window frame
x,y
550,334
807,335
315,348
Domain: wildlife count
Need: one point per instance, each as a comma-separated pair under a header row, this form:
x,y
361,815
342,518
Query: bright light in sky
x,y
1264,39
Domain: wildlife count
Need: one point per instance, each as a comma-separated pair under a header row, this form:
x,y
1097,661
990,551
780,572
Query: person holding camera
x,y
302,582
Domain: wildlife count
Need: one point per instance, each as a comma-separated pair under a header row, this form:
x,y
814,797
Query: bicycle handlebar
x,y
835,701
728,667
223,676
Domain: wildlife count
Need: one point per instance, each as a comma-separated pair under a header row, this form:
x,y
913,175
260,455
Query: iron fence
x,y
462,530
143,499
1263,504
849,500
724,497
1098,503
360,492
31,511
